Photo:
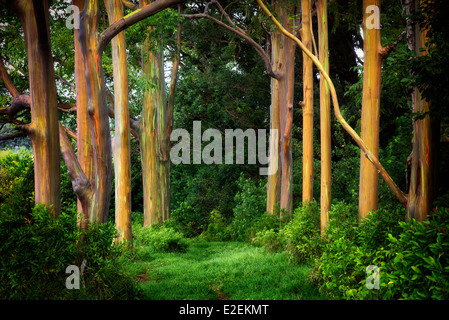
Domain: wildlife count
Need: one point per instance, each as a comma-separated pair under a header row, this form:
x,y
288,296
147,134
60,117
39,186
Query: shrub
x,y
412,257
217,228
161,238
36,248
250,206
301,236
419,267
268,238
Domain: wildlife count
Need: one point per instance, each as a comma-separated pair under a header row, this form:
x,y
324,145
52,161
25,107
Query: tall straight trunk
x,y
148,133
121,144
98,208
43,129
274,179
422,177
286,87
85,151
280,187
325,115
369,179
307,176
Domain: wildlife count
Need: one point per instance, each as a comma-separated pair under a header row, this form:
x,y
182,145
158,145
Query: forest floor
x,y
220,271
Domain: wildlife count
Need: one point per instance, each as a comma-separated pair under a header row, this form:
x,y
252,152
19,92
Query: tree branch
x,y
7,80
241,34
387,50
401,196
132,18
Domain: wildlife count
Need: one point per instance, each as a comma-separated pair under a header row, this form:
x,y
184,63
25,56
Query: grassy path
x,y
220,270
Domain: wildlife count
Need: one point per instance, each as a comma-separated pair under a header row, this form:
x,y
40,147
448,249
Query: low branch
x,y
80,183
387,50
7,80
13,136
132,18
401,196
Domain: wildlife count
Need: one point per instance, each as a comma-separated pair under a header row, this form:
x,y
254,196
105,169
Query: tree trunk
x,y
286,87
274,179
307,182
325,115
98,112
43,129
422,176
280,186
85,150
369,179
121,144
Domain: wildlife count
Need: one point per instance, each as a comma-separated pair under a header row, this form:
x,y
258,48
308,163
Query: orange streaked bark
x,y
369,179
43,129
98,112
280,183
307,113
85,150
121,144
325,116
422,177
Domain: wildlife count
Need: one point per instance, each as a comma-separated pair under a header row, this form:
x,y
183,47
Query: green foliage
x,y
17,180
250,205
301,236
160,237
412,257
36,249
217,229
419,268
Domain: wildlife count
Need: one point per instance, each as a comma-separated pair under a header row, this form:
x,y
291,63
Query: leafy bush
x,y
250,206
269,239
419,268
217,228
412,257
17,180
301,236
161,237
36,248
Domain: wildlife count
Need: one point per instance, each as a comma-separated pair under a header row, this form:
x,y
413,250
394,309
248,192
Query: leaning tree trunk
x,y
121,145
43,129
369,179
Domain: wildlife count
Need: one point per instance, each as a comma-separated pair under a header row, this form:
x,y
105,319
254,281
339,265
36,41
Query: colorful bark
x,y
121,144
422,177
43,129
307,113
402,198
85,150
98,112
280,186
325,116
369,179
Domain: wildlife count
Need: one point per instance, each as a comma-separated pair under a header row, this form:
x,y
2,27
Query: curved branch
x,y
400,195
241,34
132,18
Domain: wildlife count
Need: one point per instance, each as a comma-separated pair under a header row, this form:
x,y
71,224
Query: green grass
x,y
219,270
